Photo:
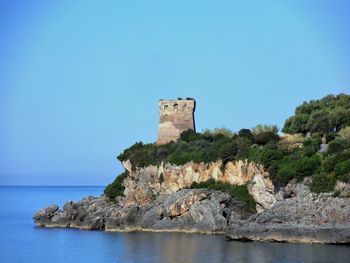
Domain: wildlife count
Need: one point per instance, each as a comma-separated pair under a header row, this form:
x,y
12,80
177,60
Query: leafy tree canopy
x,y
329,114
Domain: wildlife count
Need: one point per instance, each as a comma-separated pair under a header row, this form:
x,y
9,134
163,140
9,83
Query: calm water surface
x,y
21,241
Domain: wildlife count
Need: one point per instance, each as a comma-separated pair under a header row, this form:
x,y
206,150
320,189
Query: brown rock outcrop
x,y
168,178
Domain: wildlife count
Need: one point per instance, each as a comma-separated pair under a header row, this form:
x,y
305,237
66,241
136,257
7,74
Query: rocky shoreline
x,y
211,212
188,210
291,214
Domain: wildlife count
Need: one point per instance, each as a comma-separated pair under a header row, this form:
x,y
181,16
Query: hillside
x,y
316,145
254,184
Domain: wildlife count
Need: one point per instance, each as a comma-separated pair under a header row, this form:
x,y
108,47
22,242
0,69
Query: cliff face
x,y
144,183
302,217
156,200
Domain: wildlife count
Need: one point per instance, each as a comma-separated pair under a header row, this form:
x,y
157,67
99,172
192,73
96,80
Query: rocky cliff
x,y
157,199
144,183
302,216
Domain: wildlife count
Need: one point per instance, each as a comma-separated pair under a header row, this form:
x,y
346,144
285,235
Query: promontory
x,y
255,184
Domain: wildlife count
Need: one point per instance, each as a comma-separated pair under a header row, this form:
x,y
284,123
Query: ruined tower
x,y
176,116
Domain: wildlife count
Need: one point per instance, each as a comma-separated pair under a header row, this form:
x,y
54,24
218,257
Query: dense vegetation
x,y
329,114
326,119
116,188
220,144
238,192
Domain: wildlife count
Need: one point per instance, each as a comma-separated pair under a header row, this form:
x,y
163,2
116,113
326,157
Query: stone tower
x,y
176,116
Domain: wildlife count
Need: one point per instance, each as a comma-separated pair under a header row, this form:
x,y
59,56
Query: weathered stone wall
x,y
176,116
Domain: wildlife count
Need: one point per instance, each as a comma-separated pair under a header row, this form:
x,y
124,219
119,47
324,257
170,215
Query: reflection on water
x,y
178,247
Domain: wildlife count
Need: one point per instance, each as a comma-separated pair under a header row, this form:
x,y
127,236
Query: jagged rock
x,y
263,192
46,214
145,183
305,217
192,210
343,189
156,201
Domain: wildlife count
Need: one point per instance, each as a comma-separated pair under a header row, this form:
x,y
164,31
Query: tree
x,y
331,113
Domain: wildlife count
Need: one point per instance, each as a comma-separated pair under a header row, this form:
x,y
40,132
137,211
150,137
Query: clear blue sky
x,y
80,80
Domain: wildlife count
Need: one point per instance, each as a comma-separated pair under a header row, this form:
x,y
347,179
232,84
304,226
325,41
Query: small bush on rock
x,y
238,192
322,183
260,128
190,136
307,166
265,137
116,188
342,171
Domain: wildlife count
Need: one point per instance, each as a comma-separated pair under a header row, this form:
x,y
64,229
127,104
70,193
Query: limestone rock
x,y
304,217
342,188
263,192
145,183
188,210
301,217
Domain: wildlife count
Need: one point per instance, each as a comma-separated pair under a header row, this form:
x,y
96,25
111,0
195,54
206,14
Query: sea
x,y
22,241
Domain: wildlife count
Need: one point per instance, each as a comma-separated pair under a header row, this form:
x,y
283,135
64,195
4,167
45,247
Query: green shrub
x,y
337,146
219,131
262,128
253,153
308,151
336,193
238,192
322,183
190,136
331,161
307,166
243,145
285,173
330,137
180,158
325,115
313,142
116,188
270,155
265,137
245,133
344,178
140,154
228,152
342,170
